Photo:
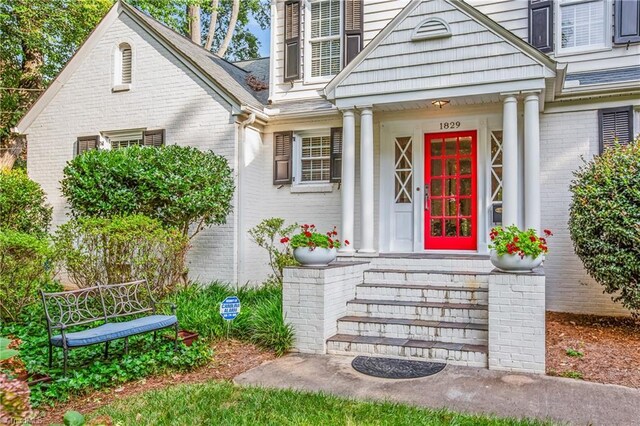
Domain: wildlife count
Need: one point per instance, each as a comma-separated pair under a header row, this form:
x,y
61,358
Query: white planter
x,y
316,257
514,264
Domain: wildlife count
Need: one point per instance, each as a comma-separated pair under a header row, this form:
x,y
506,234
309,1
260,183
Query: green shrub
x,y
22,203
121,249
260,320
182,187
604,221
272,235
14,401
25,267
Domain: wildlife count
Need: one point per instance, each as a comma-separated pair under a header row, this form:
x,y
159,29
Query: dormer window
x,y
122,72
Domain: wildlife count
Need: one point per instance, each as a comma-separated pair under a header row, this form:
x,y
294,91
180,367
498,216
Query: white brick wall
x,y
564,139
314,299
517,322
164,94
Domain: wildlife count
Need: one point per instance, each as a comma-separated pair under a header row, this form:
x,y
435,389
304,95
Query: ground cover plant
x,y
181,187
232,405
604,221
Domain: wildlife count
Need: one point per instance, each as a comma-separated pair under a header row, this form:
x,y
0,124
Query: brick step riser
x,y
422,295
480,265
471,359
414,332
474,316
433,279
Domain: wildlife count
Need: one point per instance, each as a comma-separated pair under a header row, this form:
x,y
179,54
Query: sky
x,y
263,35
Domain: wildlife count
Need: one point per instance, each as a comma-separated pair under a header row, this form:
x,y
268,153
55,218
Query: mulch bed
x,y
610,348
231,358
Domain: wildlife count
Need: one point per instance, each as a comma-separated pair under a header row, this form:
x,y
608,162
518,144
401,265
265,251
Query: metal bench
x,y
103,304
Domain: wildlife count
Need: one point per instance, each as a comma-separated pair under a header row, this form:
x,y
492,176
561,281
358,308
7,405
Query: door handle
x,y
426,196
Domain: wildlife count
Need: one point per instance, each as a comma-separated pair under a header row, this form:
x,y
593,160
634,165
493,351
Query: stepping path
x,y
464,389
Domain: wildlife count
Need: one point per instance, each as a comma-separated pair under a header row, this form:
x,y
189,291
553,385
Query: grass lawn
x,y
223,403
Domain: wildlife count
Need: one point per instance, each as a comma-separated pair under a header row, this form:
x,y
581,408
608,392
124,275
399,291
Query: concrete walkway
x,y
461,389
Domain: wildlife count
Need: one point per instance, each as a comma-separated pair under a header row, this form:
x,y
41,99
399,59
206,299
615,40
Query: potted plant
x,y
513,250
312,248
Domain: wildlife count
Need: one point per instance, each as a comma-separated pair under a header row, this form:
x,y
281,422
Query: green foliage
x,y
260,320
572,374
604,221
272,235
511,240
309,237
198,404
73,418
5,352
25,267
574,353
182,187
88,369
121,249
14,401
22,203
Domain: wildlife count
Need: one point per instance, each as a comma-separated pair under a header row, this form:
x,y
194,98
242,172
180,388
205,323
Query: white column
x,y
348,184
510,161
532,162
366,180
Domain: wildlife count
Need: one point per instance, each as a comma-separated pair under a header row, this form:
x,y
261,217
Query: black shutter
x,y
541,25
87,143
616,125
336,154
153,138
353,17
627,21
291,40
282,148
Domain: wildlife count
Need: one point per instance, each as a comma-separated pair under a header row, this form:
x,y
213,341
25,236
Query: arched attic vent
x,y
431,28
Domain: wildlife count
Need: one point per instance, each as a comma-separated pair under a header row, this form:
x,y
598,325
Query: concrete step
x,y
425,311
443,262
433,277
422,293
453,353
450,332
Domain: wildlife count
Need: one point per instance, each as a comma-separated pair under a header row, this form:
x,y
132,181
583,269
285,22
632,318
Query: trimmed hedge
x,y
22,203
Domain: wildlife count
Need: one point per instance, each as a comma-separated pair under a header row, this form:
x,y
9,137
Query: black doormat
x,y
389,368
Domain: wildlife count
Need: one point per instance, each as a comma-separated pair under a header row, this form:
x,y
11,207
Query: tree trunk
x,y
232,26
212,24
195,25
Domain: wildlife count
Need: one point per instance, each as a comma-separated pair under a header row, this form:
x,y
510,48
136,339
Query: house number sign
x,y
446,125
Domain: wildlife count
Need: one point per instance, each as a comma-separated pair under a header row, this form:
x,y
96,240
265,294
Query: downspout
x,y
240,233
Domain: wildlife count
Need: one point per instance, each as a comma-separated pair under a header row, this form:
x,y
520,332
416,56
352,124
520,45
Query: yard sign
x,y
230,308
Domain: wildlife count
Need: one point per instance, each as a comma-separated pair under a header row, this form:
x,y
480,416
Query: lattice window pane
x,y
403,170
316,158
496,166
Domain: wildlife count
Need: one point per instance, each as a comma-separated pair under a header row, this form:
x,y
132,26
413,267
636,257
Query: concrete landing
x,y
464,389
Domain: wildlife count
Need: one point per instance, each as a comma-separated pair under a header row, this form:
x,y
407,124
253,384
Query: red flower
x,y
547,233
346,242
542,240
516,239
532,238
284,240
307,234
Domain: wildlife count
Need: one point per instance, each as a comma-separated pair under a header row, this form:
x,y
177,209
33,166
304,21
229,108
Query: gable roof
x,y
527,52
228,79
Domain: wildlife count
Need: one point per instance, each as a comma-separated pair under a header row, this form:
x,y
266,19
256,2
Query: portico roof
x,y
440,48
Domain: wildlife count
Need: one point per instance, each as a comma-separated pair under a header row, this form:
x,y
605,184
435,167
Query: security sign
x,y
230,308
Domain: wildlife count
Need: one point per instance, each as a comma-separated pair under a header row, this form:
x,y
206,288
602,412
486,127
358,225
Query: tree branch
x,y
195,26
232,26
212,24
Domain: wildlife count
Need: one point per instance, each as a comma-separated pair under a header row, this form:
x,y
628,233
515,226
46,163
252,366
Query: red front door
x,y
450,204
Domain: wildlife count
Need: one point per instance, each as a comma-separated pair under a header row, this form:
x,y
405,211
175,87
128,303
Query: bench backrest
x,y
101,302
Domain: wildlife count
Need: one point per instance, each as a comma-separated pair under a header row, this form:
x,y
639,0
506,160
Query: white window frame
x,y
297,157
307,43
607,24
120,135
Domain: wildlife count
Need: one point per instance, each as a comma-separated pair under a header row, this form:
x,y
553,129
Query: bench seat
x,y
115,330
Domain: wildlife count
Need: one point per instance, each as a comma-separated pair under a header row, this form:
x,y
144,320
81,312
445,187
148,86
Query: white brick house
x,y
485,106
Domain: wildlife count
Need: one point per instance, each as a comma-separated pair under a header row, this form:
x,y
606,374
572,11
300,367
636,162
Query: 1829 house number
x,y
449,125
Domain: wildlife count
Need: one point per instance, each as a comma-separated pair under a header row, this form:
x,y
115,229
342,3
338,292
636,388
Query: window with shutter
x,y
282,147
336,154
583,25
291,40
325,38
627,21
541,25
616,126
87,143
353,17
154,137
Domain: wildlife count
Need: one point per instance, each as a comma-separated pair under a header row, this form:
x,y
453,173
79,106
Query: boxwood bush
x,y
181,187
120,249
604,221
22,203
